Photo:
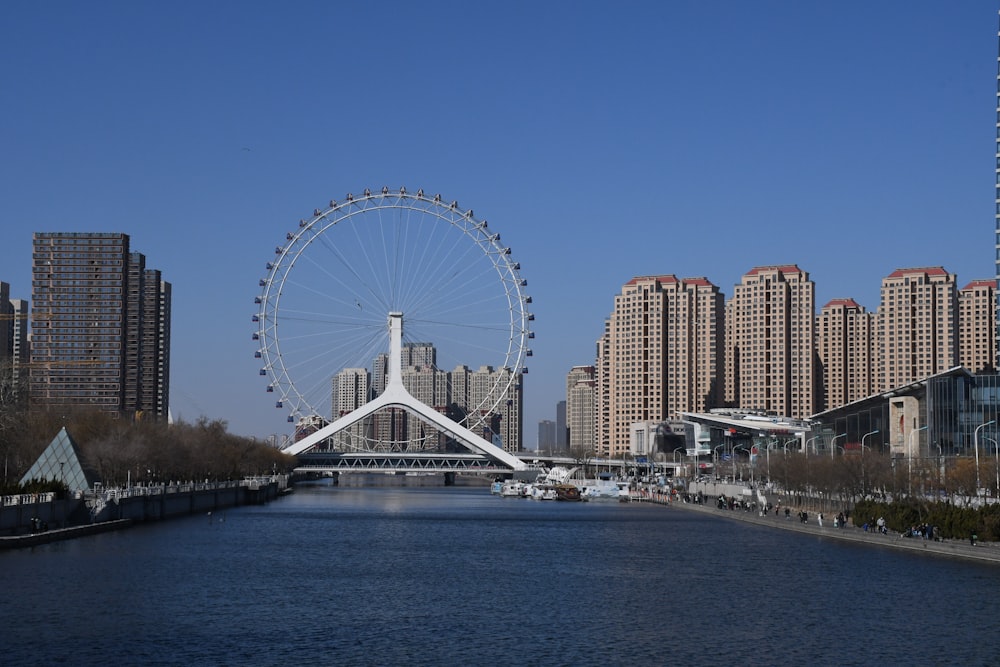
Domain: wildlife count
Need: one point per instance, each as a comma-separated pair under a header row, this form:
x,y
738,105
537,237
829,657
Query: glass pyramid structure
x,y
61,462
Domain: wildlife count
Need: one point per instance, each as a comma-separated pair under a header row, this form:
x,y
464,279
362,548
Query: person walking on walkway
x,y
819,519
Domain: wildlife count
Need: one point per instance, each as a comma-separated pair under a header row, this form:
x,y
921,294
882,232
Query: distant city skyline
x,y
683,138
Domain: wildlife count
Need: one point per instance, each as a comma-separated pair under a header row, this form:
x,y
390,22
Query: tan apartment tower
x,y
977,326
662,352
770,334
580,383
844,347
917,328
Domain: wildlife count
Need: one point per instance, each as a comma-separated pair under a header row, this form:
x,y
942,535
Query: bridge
x,y
320,462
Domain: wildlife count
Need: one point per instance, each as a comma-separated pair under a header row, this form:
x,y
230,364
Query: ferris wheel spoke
x,y
328,293
365,287
453,290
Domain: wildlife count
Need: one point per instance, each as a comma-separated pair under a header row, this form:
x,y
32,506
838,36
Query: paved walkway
x,y
988,552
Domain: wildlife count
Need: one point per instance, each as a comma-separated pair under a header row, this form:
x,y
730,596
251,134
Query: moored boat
x,y
568,492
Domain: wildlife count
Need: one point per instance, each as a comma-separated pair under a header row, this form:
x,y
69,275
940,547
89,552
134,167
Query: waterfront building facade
x,y
977,325
91,342
662,354
916,335
770,340
844,347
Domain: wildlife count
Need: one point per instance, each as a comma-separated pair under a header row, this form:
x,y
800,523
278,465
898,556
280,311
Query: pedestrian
x,y
881,525
788,514
819,519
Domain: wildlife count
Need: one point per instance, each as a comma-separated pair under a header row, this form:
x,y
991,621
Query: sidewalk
x,y
988,552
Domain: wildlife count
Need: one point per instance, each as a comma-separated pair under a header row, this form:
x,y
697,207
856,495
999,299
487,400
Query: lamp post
x,y
812,440
715,454
909,460
768,451
833,443
863,459
996,447
748,459
975,442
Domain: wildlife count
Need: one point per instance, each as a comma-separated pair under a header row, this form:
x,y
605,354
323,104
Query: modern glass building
x,y
946,414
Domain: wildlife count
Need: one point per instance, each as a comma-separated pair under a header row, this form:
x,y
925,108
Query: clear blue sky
x,y
604,140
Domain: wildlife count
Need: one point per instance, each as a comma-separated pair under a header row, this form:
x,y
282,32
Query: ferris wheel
x,y
323,305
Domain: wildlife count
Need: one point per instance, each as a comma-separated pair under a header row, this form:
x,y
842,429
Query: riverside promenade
x,y
986,552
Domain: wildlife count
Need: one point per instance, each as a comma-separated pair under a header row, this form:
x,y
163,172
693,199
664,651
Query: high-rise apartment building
x,y
6,328
601,396
916,335
580,404
663,354
350,391
561,435
770,337
452,393
844,345
996,303
20,345
92,344
546,435
977,325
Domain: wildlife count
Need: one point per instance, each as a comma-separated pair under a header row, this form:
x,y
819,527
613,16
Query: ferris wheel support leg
x,y
395,395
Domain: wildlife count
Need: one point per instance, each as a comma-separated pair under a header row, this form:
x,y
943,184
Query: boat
x,y
568,492
511,489
604,488
543,492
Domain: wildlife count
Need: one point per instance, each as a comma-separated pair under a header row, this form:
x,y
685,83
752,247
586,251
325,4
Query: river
x,y
454,576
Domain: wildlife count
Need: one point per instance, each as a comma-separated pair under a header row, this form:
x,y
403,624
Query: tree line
x,y
119,451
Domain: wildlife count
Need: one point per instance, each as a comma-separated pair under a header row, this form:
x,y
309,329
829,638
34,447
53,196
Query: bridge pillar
x,y
449,479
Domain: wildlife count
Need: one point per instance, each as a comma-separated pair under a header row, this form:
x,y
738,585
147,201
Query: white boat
x,y
603,488
512,489
543,492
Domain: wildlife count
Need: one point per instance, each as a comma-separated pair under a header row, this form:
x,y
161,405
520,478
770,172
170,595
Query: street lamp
x,y
812,440
997,448
863,459
975,442
833,443
909,460
715,454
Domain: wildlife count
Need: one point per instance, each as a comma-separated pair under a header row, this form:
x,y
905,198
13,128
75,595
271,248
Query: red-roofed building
x,y
770,336
661,354
977,326
917,326
844,336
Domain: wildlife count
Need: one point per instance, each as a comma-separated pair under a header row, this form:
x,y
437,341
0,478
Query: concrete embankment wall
x,y
17,512
26,514
194,499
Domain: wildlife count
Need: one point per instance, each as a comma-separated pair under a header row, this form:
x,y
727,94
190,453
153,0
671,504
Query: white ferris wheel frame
x,y
311,229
